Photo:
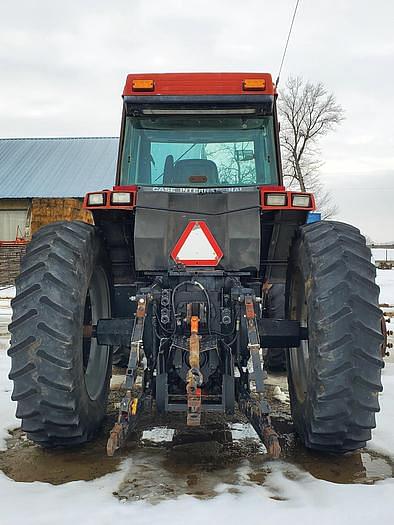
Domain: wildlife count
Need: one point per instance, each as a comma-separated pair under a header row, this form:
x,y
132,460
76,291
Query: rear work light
x,y
278,198
143,85
121,198
253,84
96,199
275,199
301,201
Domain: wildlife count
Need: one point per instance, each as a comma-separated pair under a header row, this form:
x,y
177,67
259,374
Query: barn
x,y
44,180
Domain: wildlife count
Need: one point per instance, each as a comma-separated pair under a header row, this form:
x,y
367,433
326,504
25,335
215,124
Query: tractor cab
x,y
196,131
202,147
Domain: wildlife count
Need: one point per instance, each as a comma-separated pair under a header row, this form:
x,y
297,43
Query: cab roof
x,y
185,84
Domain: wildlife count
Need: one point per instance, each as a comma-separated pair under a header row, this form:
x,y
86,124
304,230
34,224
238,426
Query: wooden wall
x,y
45,211
10,260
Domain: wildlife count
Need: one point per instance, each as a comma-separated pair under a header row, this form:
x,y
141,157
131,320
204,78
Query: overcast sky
x,y
63,66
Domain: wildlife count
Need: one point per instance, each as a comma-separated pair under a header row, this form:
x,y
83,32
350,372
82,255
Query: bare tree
x,y
235,162
307,112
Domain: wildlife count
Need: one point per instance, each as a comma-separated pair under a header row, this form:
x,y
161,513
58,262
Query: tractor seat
x,y
192,171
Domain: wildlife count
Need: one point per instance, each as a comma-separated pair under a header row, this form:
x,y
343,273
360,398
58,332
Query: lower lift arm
x,y
257,411
128,410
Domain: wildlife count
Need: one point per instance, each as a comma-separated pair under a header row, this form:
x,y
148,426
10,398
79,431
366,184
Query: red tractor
x,y
199,263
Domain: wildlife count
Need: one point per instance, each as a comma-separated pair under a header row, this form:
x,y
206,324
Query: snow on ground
x,y
6,294
288,495
385,279
7,407
282,500
7,291
301,499
383,435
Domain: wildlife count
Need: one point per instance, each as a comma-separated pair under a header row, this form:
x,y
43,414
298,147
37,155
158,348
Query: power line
x,y
287,42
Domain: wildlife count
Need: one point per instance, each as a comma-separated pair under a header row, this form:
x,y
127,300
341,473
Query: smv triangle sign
x,y
197,246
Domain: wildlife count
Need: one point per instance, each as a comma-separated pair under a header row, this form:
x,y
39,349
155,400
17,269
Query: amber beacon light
x,y
253,84
143,85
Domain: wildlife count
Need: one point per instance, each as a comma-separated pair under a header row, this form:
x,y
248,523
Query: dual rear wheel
x,y
334,377
61,378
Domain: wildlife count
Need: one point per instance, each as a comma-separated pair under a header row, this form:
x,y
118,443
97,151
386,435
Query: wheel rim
x,y
95,356
299,357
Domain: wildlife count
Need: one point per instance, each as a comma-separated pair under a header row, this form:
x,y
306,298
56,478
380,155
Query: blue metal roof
x,y
56,167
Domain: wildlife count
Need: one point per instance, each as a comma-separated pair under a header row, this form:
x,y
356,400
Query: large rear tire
x,y
335,377
61,379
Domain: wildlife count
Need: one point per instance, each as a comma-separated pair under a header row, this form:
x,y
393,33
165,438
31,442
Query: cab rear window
x,y
214,152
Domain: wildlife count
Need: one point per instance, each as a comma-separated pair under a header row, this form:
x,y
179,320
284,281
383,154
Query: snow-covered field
x,y
6,295
385,279
288,494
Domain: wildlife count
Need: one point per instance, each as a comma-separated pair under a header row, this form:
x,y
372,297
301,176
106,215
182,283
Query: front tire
x,y
335,377
61,379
